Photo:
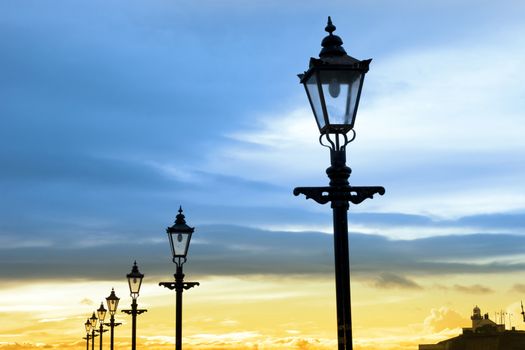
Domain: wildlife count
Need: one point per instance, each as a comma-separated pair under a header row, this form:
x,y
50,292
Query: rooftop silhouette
x,y
484,334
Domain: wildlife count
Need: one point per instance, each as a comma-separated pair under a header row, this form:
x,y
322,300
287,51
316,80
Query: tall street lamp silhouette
x,y
333,84
134,281
179,237
93,320
112,302
87,325
101,313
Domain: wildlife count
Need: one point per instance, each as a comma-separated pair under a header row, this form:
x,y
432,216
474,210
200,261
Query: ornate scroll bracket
x,y
353,194
173,285
138,311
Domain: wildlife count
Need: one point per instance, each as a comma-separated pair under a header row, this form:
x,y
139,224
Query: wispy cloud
x,y
519,287
473,289
391,280
237,250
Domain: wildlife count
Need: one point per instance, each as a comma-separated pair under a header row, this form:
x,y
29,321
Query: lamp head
x,y
112,302
87,325
101,313
93,320
333,84
134,281
179,236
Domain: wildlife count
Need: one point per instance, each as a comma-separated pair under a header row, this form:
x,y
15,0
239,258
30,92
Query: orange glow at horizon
x,y
253,312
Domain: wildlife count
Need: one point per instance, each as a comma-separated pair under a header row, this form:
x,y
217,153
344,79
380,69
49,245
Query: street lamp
x,y
93,320
134,281
87,325
101,312
179,236
112,302
333,84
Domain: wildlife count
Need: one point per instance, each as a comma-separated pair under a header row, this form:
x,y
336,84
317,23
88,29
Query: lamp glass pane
x,y
134,284
180,242
341,90
312,90
93,321
112,305
101,314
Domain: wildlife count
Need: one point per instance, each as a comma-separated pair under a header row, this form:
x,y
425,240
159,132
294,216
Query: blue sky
x,y
116,112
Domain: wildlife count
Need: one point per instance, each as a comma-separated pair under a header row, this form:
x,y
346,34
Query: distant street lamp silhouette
x,y
87,325
93,320
101,312
112,302
333,84
134,281
179,237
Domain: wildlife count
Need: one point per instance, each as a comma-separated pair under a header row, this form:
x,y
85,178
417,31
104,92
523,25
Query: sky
x,y
115,113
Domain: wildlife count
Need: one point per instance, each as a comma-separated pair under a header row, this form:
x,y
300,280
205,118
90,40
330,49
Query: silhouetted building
x,y
484,334
483,324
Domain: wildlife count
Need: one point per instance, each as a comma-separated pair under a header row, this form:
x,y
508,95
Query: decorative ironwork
x,y
333,85
353,194
179,237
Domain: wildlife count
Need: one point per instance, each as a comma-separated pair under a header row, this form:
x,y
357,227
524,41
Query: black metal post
x,y
342,274
340,193
339,174
93,339
87,341
112,324
112,331
179,285
101,331
134,312
134,325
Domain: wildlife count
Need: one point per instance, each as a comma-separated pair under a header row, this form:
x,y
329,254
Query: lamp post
x,y
333,84
134,281
87,325
101,312
179,236
93,320
112,302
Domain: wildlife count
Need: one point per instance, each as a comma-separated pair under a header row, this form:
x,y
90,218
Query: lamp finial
x,y
332,44
330,28
180,218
